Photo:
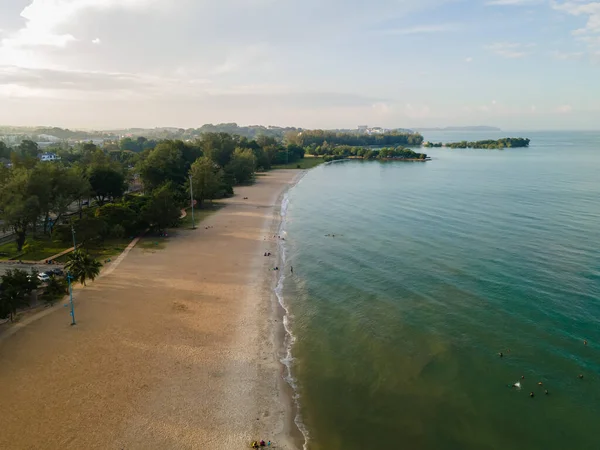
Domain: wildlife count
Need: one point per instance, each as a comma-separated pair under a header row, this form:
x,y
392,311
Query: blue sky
x,y
517,64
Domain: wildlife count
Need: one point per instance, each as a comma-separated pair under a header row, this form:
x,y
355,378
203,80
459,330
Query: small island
x,y
381,154
486,144
333,146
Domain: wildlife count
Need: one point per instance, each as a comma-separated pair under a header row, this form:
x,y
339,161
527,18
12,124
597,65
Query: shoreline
x,y
294,430
170,350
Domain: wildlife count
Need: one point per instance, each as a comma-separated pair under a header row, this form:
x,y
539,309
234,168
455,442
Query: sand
x,y
174,349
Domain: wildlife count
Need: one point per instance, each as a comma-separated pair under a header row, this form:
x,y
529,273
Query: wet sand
x,y
176,348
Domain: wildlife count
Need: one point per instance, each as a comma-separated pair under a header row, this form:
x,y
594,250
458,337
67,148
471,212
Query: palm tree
x,y
81,266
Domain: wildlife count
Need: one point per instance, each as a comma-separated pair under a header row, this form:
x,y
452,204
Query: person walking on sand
x,y
292,269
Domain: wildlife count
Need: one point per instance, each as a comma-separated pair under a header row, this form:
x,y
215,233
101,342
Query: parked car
x,y
43,277
59,272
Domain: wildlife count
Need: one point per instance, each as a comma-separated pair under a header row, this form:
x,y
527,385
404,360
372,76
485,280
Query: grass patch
x,y
106,250
151,243
308,162
199,214
35,249
109,248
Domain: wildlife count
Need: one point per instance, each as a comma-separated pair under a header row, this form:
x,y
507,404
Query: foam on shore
x,y
290,338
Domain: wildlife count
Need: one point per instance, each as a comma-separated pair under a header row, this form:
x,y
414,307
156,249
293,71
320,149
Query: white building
x,y
49,157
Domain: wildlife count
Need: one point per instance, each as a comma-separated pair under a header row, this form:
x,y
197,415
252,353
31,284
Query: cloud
x,y
589,33
421,29
50,83
240,59
96,41
44,25
565,56
417,111
563,109
512,2
591,10
510,49
468,59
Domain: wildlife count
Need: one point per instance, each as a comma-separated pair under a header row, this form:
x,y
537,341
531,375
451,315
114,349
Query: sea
x,y
433,304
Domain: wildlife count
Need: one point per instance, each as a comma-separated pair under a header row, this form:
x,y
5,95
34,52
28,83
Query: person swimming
x,y
580,376
500,354
531,394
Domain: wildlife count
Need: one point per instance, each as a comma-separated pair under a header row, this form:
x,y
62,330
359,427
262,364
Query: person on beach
x,y
262,443
292,269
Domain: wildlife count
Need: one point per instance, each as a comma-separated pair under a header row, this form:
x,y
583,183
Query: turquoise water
x,y
434,269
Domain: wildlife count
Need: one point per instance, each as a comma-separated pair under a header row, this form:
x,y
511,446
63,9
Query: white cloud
x,y
417,111
382,108
43,22
96,41
563,109
578,8
468,59
589,33
493,102
564,56
511,49
513,2
419,29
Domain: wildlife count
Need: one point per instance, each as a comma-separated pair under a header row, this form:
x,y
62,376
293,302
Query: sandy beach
x,y
176,348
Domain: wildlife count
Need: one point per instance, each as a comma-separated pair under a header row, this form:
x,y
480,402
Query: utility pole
x,y
69,279
192,201
74,243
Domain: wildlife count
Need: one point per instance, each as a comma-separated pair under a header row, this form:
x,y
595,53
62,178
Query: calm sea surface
x,y
434,269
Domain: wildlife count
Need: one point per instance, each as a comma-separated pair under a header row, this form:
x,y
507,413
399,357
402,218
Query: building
x,y
49,157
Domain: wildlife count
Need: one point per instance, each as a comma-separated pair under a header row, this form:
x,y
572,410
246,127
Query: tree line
x,y
491,144
307,138
337,152
131,190
17,286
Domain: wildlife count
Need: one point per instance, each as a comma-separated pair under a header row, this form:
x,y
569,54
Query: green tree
x,y
219,147
18,208
242,165
164,164
56,288
106,183
162,210
118,214
5,151
26,155
17,285
28,149
82,267
207,180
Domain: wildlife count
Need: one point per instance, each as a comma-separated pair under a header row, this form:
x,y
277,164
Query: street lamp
x,y
69,279
192,201
73,232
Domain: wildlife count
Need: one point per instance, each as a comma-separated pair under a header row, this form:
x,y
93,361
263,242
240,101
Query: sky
x,y
516,64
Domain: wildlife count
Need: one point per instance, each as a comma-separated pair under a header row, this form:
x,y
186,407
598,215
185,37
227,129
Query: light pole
x,y
74,243
192,201
69,279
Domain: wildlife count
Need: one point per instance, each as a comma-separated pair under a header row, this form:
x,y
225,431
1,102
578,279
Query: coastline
x,y
295,433
171,350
